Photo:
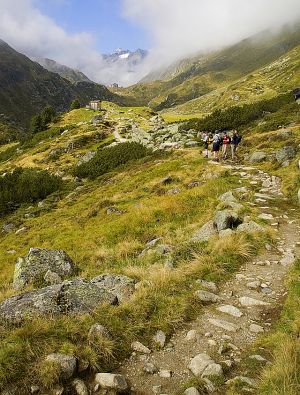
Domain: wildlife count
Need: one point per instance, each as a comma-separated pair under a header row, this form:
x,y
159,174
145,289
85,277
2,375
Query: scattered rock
x,y
207,297
139,347
166,374
205,233
159,339
202,365
258,157
79,387
121,286
265,216
256,328
226,233
288,258
191,391
231,310
227,326
32,268
226,219
191,335
249,227
244,380
150,368
66,364
250,302
111,381
208,285
285,153
258,358
253,284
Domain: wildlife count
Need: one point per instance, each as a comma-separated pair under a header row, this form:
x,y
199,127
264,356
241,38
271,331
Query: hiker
x,y
205,139
235,141
216,146
225,146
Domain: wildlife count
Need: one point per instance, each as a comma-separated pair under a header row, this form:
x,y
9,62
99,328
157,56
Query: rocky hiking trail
x,y
234,314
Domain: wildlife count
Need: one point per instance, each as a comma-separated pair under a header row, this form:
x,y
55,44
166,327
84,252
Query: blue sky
x,y
102,18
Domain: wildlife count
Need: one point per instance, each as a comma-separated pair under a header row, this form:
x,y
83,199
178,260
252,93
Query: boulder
x,y
227,197
121,286
246,301
150,368
111,381
285,154
71,297
208,285
65,363
32,268
226,219
231,310
205,233
258,157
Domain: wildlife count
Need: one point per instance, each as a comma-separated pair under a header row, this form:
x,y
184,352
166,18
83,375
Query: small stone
x,y
191,391
150,368
111,381
157,389
268,247
166,374
208,285
249,302
244,380
34,389
79,387
191,335
265,216
253,284
231,310
256,328
160,338
139,347
207,297
258,358
227,326
212,342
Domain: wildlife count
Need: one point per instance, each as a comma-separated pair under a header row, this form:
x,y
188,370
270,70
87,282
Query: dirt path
x,y
261,280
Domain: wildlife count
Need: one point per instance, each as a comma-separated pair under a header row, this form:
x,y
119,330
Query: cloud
x,y
27,30
181,27
176,28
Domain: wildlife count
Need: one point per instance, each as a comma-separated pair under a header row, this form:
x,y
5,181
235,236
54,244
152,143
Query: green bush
x,y
75,105
235,117
26,186
108,159
32,140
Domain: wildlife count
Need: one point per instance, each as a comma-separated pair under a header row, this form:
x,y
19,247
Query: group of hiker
x,y
226,142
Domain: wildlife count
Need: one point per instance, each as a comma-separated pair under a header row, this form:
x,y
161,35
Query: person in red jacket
x,y
226,145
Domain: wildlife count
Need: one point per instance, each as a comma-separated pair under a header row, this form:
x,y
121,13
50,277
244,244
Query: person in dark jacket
x,y
235,141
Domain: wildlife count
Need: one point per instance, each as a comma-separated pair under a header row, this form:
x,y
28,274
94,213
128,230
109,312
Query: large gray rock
x,y
226,219
207,297
111,381
66,364
205,233
258,157
285,153
191,391
71,297
32,268
121,286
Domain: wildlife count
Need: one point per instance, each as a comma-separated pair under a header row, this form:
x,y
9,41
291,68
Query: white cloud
x,y
181,27
176,28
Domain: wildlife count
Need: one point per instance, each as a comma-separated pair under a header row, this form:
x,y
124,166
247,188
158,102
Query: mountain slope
x,y
64,71
195,77
26,87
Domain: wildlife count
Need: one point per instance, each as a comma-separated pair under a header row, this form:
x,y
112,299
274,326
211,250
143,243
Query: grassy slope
x,y
112,243
280,76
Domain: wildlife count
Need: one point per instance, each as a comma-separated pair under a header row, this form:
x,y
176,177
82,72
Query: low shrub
x,y
235,117
26,186
108,159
